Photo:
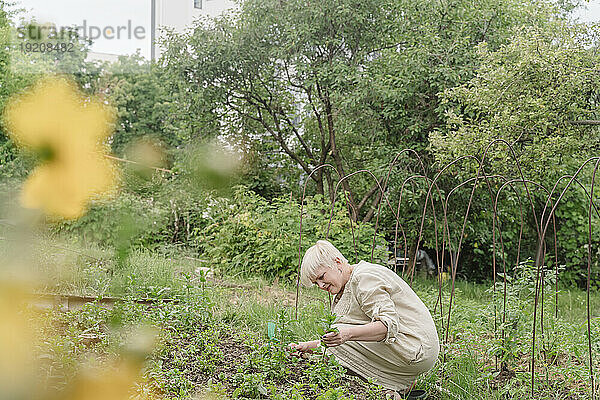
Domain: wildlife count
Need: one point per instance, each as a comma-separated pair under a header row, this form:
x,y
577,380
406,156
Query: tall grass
x,y
472,355
70,267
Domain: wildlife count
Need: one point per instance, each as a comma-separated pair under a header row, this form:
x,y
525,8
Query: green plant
x,y
295,392
251,236
273,358
333,394
250,386
520,293
323,372
326,326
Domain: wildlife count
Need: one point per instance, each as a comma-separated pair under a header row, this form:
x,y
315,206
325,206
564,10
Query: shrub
x,y
128,217
250,235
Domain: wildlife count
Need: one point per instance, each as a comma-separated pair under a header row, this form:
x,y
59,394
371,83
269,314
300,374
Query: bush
x,y
127,217
244,234
249,235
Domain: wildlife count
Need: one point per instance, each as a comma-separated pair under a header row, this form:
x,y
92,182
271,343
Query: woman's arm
x,y
372,332
305,346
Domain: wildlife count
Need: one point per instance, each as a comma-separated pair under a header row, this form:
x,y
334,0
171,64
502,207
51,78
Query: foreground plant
x,y
326,326
65,131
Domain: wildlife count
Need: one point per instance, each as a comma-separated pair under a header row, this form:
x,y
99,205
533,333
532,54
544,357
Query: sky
x,y
99,14
136,14
591,13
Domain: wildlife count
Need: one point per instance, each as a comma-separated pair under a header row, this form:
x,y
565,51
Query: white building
x,y
174,14
179,14
103,57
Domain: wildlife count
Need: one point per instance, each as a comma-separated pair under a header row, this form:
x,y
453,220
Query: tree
x,y
532,92
144,105
435,48
343,82
276,71
20,66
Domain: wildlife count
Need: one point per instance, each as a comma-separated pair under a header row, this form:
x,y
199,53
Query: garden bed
x,y
217,359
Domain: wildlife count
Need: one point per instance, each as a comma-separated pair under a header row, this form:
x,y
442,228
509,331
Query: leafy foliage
x,y
109,222
252,236
347,83
529,93
145,105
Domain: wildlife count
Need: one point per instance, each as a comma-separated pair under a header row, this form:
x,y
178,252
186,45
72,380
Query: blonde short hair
x,y
321,254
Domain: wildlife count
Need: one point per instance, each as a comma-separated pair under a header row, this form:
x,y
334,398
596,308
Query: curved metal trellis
x,y
541,225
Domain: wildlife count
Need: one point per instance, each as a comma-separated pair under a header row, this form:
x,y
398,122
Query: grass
x,y
214,338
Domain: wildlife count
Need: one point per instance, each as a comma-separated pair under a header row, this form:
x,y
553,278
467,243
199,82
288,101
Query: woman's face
x,y
332,279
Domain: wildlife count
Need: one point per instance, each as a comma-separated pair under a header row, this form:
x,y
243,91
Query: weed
x,y
326,326
333,394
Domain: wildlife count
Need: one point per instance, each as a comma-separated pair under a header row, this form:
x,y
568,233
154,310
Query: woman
x,y
386,333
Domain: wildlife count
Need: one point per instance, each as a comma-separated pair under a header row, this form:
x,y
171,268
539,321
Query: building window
x,y
198,4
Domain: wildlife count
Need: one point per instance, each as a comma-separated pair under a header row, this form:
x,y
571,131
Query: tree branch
x,y
371,211
284,146
324,147
585,122
372,190
297,134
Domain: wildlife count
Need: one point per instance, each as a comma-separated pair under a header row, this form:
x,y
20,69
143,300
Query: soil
x,y
235,353
502,378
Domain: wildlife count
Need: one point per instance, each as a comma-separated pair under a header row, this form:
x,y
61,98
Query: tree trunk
x,y
330,185
338,159
319,181
412,258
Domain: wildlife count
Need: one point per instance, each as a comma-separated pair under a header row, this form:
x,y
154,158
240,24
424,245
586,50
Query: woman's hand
x,y
332,339
302,346
300,349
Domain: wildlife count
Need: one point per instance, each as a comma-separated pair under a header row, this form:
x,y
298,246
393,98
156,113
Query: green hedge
x,y
250,235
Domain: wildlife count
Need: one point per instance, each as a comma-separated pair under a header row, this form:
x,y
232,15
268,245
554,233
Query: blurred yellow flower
x,y
67,130
116,382
120,378
15,341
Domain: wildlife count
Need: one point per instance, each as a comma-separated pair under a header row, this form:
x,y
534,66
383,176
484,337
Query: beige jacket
x,y
411,345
